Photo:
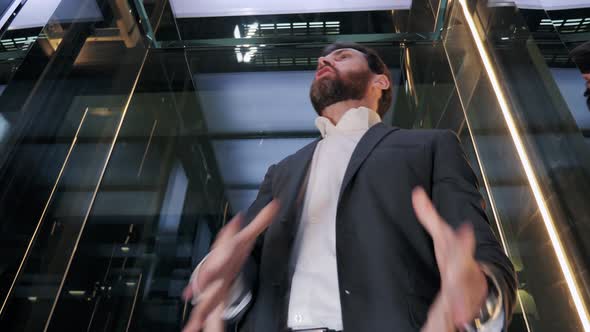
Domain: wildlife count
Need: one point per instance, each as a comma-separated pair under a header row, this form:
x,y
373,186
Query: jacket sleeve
x,y
455,195
243,289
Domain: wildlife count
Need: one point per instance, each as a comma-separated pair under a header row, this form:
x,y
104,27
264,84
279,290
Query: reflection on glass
x,y
187,8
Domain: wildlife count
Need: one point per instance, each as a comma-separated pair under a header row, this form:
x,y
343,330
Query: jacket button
x,y
347,292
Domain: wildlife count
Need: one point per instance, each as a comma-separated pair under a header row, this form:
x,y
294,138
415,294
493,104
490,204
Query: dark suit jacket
x,y
387,270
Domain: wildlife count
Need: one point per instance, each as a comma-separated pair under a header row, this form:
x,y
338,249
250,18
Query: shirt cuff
x,y
498,317
238,299
493,325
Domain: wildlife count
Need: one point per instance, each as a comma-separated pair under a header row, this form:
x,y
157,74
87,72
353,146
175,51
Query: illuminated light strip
x,y
42,217
487,188
526,163
493,206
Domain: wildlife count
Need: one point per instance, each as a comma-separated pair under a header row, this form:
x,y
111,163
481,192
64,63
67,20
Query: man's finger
x,y
187,293
229,230
467,237
260,222
207,301
193,324
215,322
426,212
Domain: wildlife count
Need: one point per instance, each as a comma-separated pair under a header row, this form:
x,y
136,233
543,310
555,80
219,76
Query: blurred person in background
x,y
581,57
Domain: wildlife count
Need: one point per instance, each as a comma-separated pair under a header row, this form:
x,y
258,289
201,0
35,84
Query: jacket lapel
x,y
292,182
363,149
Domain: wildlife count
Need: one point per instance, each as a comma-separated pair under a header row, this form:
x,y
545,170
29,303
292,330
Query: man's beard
x,y
327,91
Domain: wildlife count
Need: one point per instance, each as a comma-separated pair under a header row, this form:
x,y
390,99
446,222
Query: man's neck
x,y
335,111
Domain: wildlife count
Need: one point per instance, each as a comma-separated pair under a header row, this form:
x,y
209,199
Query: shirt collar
x,y
353,120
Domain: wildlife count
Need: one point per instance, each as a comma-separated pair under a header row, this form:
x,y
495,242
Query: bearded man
x,y
368,228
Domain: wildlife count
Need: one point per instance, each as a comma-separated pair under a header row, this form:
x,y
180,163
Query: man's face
x,y
342,75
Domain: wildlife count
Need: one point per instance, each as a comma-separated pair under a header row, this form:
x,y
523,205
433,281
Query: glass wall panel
x,y
154,215
535,168
62,109
132,130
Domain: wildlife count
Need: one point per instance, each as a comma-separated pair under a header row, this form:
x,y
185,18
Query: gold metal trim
x,y
134,301
147,148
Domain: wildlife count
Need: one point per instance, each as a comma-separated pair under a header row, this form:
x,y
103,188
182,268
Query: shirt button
x,y
298,318
347,292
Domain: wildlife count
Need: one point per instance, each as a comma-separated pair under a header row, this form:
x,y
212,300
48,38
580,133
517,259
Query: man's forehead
x,y
340,50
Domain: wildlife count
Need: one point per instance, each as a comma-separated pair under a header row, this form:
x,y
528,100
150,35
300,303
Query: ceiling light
x,y
76,292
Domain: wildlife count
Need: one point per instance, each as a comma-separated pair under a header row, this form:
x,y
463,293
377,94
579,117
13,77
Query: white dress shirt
x,y
315,297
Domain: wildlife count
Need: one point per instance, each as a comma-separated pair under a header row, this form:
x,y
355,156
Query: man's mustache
x,y
329,66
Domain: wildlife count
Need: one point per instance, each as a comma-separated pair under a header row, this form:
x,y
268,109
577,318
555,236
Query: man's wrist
x,y
440,318
193,281
491,309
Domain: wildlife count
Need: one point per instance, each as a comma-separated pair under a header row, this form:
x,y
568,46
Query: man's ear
x,y
381,81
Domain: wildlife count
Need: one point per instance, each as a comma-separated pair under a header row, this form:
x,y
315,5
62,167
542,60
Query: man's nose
x,y
324,61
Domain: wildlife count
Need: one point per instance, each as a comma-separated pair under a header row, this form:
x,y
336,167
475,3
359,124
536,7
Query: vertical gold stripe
x,y
147,148
134,301
40,221
114,141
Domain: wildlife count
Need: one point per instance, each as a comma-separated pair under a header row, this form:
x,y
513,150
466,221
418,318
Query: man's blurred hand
x,y
223,264
463,284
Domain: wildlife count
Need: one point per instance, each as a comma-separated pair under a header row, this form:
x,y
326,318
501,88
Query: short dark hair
x,y
376,65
